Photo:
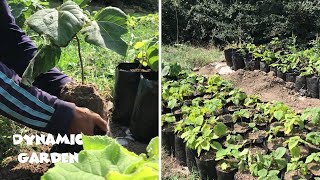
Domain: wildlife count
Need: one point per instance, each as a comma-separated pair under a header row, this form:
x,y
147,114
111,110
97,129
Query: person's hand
x,y
85,120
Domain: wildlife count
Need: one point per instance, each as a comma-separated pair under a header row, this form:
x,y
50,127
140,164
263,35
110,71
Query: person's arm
x,y
31,106
17,49
41,111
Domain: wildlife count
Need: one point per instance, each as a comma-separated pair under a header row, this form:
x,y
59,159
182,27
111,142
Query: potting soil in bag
x,y
313,87
125,90
144,119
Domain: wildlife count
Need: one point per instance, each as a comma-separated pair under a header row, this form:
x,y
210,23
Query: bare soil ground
x,y
267,86
171,169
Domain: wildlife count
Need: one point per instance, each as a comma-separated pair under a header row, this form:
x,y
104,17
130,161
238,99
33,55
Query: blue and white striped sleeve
x,y
31,106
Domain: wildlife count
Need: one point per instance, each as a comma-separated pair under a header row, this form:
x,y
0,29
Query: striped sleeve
x,y
31,106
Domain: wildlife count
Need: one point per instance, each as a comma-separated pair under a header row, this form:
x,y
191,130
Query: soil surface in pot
x,y
267,86
295,175
297,132
207,155
304,152
311,127
314,168
140,70
241,127
274,143
227,119
244,176
255,150
257,137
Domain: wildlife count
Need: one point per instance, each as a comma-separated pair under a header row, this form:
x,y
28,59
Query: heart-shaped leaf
x,y
61,24
46,58
111,162
106,30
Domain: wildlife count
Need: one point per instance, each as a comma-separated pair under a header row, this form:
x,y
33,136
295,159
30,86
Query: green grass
x,y
190,56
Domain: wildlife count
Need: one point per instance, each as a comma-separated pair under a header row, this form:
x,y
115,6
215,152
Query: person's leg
x,y
17,49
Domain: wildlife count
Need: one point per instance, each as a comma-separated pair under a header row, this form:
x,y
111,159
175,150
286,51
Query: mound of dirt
x,y
84,96
269,88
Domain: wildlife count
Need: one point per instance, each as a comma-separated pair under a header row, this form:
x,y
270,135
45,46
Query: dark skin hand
x,y
85,120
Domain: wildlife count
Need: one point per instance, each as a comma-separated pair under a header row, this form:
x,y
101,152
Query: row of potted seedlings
x,y
288,62
224,134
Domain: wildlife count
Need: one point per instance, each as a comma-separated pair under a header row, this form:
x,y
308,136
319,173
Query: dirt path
x,y
267,86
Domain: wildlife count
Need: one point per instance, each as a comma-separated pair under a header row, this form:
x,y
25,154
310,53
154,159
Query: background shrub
x,y
224,21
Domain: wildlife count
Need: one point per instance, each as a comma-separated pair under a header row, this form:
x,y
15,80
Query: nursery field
x,y
253,121
138,33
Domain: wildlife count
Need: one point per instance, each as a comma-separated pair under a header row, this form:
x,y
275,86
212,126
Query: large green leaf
x,y
153,56
153,148
61,24
104,158
81,3
46,58
106,30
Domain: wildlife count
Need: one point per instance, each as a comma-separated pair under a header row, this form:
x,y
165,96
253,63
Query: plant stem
x,y
81,62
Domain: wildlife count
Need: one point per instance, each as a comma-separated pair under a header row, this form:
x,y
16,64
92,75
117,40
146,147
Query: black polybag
x,y
125,90
144,120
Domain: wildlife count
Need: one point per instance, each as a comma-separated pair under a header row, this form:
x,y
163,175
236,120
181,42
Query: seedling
x,y
167,119
242,113
62,25
313,138
312,114
293,143
266,166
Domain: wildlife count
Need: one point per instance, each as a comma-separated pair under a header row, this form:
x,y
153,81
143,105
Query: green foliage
x,y
62,24
167,119
147,53
293,143
38,66
312,114
314,157
171,69
230,152
59,25
23,9
313,138
298,165
242,113
237,97
267,166
221,22
106,28
104,158
202,128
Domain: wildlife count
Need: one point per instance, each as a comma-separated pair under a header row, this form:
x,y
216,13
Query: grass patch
x,y
190,56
